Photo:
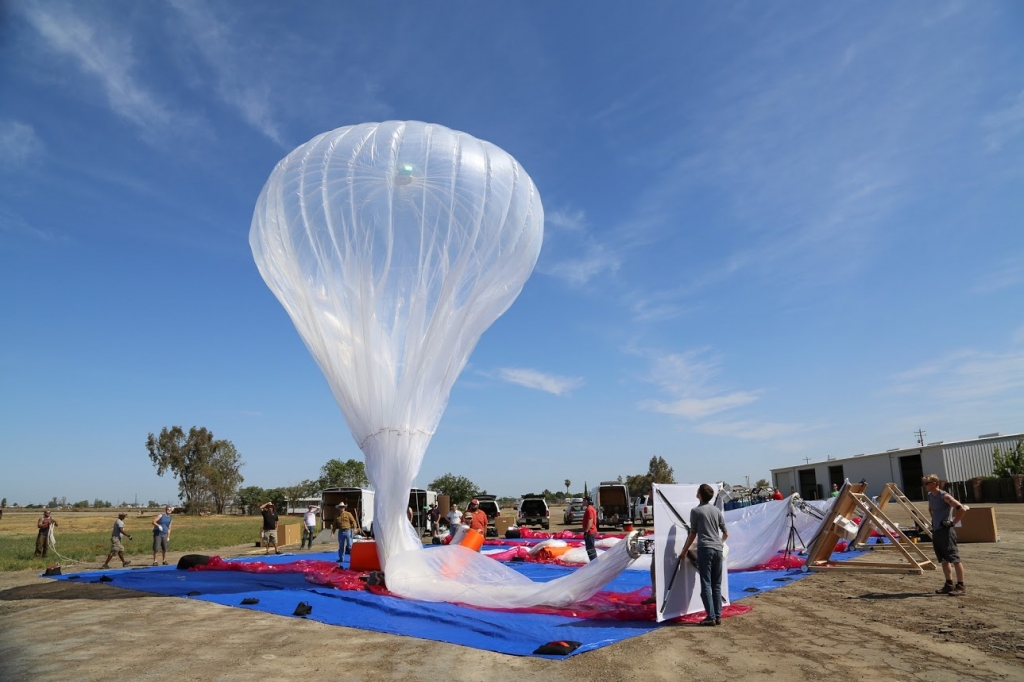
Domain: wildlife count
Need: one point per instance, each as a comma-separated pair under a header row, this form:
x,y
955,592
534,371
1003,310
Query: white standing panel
x,y
683,597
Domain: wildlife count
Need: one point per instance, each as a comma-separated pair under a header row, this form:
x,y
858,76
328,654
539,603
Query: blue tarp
x,y
510,633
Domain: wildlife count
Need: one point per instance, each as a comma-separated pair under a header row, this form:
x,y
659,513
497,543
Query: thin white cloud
x,y
966,376
752,430
688,378
105,53
566,219
1007,273
656,308
580,271
698,408
571,252
19,144
237,83
16,225
531,378
1005,124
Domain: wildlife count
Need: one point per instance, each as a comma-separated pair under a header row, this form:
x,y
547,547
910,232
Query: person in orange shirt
x,y
590,528
477,517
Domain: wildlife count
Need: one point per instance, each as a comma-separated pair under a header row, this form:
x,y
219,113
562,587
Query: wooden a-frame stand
x,y
853,502
892,492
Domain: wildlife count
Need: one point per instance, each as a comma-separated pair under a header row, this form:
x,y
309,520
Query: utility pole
x,y
807,460
920,437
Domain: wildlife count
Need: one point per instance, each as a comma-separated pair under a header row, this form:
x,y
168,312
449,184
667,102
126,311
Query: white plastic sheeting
x,y
393,246
457,574
760,531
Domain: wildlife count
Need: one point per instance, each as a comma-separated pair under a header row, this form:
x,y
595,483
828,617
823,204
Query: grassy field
x,y
85,536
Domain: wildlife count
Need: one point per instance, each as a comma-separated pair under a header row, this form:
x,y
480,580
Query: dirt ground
x,y
852,626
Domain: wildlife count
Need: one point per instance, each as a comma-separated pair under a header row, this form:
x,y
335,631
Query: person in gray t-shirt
x,y
115,541
707,526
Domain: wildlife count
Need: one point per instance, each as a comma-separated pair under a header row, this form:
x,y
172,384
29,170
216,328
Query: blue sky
x,y
772,231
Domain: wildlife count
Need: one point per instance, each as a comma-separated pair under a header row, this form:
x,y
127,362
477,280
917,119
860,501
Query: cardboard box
x,y
502,524
978,525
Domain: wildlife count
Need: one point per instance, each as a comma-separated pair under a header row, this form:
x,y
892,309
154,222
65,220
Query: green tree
x,y
762,483
3,503
185,456
205,467
458,488
279,496
1009,462
658,471
249,498
347,474
221,474
567,484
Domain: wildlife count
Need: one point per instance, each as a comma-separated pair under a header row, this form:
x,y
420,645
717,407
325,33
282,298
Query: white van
x,y
419,501
612,504
358,501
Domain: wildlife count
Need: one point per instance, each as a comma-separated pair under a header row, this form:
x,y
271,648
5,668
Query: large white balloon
x,y
393,246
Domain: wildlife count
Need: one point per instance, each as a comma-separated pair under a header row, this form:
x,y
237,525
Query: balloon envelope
x,y
393,246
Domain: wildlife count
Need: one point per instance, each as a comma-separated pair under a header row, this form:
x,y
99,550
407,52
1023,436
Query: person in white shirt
x,y
454,520
309,525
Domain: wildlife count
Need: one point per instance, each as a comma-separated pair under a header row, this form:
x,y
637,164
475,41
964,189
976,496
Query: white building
x,y
956,462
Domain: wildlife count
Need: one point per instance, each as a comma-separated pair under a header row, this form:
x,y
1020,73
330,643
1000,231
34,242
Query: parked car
x,y
573,513
643,510
533,511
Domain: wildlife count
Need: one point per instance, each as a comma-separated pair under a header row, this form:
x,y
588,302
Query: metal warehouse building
x,y
957,461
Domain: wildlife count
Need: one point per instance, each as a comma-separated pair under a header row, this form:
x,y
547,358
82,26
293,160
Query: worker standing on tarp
x,y
346,525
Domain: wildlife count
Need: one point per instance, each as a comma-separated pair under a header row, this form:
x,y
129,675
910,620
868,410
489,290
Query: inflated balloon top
x,y
393,246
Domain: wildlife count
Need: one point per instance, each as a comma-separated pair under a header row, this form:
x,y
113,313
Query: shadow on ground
x,y
62,589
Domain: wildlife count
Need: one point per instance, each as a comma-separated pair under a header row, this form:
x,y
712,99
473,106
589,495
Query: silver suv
x,y
533,511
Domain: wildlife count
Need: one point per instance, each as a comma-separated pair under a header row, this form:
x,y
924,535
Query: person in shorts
x,y
115,541
946,512
162,534
269,526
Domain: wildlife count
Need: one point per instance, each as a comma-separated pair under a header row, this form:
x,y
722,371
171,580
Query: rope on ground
x,y
65,561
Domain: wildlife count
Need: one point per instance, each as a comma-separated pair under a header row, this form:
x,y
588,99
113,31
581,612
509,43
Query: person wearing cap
x,y
346,525
309,525
269,526
590,528
43,537
477,517
162,534
115,541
